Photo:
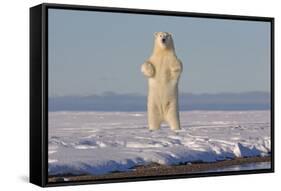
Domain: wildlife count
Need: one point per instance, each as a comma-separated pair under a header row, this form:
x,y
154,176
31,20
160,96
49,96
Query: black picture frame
x,y
39,91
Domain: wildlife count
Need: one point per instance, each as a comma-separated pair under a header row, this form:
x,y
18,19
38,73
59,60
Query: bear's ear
x,y
170,34
155,34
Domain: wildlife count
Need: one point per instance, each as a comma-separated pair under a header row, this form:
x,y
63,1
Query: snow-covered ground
x,y
102,142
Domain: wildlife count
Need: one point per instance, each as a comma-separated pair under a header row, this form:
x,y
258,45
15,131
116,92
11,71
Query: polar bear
x,y
163,70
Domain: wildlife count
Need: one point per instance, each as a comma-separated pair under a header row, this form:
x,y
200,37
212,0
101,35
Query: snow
x,y
102,142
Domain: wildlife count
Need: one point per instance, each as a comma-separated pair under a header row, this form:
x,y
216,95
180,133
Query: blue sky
x,y
95,52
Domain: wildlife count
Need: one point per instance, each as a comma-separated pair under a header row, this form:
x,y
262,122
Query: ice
x,y
247,166
102,142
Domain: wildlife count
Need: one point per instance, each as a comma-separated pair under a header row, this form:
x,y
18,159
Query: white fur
x,y
163,70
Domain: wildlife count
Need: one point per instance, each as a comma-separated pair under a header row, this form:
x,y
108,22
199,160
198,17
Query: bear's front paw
x,y
176,71
148,69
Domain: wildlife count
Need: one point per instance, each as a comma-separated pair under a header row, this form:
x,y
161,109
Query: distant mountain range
x,y
110,101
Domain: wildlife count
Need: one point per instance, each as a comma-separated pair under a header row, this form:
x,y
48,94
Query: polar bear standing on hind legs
x,y
163,70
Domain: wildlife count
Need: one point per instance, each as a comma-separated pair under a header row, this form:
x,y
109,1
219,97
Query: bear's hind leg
x,y
154,120
172,118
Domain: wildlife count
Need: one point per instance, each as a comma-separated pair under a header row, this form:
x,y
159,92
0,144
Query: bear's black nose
x,y
163,40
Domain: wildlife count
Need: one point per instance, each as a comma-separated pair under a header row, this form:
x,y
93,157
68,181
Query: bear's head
x,y
164,40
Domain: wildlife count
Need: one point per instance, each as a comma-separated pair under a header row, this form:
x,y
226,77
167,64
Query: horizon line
x,y
111,93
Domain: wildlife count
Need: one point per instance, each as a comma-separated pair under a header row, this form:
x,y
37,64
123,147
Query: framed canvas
x,y
121,95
